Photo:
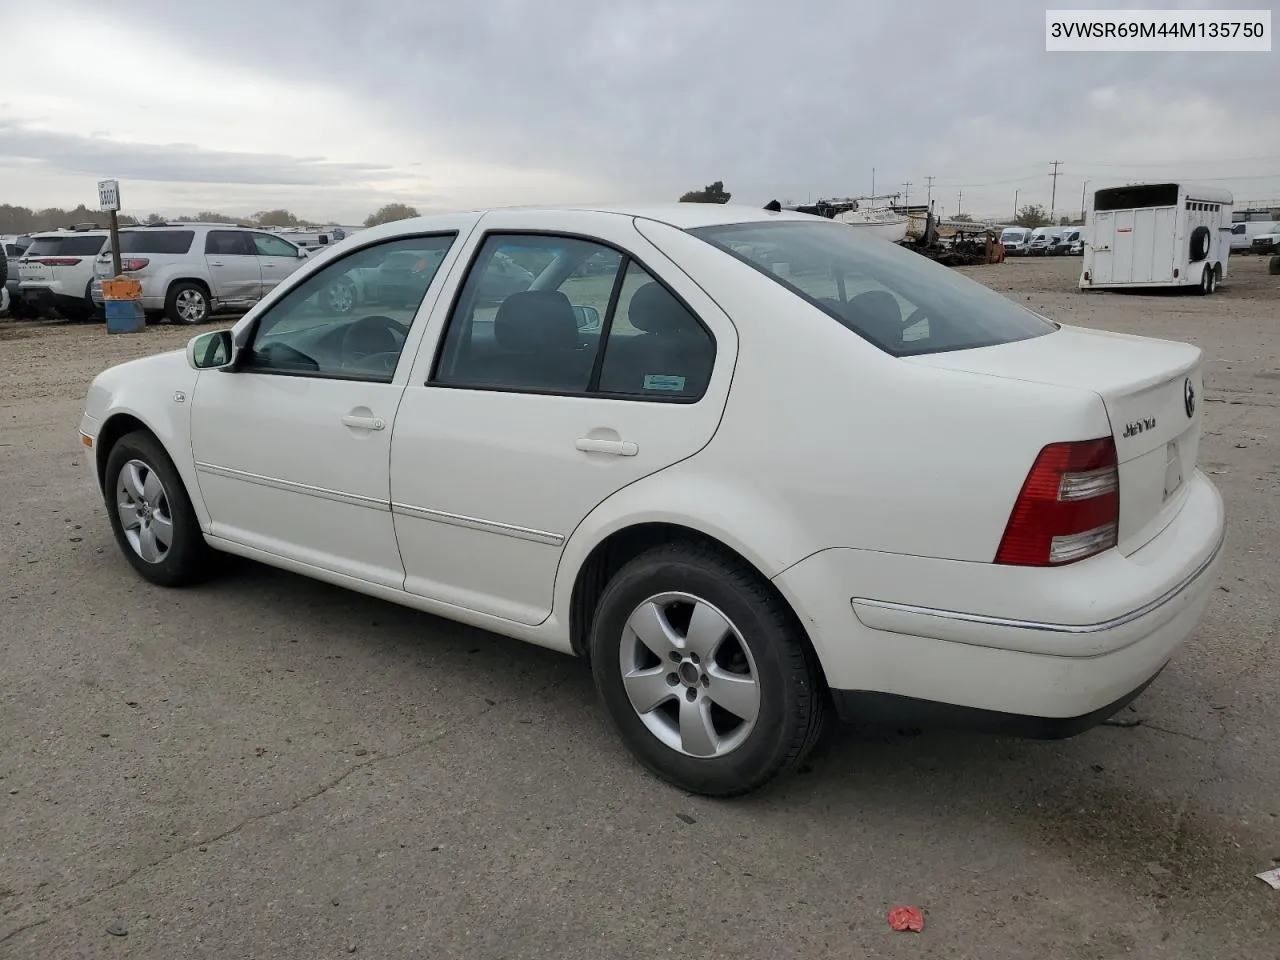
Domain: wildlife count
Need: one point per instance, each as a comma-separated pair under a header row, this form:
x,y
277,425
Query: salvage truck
x,y
1157,235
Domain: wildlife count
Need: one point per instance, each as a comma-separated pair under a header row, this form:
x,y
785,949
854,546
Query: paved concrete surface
x,y
268,767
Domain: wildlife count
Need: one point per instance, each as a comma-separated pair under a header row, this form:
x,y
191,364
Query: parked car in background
x,y
1243,233
659,491
1042,240
1015,241
189,271
1067,242
12,246
56,271
1266,243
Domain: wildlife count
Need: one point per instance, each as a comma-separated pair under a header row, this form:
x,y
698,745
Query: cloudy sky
x,y
333,107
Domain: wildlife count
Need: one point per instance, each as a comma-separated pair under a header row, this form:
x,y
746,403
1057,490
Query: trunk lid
x,y
1152,390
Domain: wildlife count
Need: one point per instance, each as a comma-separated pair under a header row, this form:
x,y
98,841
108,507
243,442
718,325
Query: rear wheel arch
x,y
622,546
196,280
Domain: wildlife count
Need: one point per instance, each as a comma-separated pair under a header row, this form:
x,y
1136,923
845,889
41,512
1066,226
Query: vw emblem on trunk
x,y
1189,397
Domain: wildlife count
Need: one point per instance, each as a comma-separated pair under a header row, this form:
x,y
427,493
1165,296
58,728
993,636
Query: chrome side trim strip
x,y
324,493
475,523
1069,628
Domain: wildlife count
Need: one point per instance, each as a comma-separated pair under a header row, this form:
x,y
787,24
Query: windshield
x,y
69,246
1013,235
900,301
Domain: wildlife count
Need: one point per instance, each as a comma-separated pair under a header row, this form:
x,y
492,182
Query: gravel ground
x,y
269,767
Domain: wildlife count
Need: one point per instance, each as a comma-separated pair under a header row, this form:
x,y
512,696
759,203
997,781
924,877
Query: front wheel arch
x,y
115,427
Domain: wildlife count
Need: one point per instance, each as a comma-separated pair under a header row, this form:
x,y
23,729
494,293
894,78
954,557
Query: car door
x,y
534,409
291,447
278,258
234,272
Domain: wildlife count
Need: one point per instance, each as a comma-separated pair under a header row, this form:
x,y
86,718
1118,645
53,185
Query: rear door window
x,y
229,243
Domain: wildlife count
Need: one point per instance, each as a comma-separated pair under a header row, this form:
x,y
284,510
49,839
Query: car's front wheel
x,y
151,514
704,671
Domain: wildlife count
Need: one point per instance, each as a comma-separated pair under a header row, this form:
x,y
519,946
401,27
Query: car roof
x,y
680,215
66,233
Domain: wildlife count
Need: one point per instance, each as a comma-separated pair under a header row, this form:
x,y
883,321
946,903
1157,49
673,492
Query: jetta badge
x,y
1189,397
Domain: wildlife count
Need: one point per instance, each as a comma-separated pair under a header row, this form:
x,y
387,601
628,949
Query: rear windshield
x,y
156,241
900,301
69,246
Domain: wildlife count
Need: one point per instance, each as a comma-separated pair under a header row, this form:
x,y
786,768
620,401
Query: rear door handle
x,y
364,423
618,448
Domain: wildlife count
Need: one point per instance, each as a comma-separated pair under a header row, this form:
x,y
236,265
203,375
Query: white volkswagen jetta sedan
x,y
756,466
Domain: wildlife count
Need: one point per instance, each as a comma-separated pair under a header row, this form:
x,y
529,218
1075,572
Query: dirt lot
x,y
268,767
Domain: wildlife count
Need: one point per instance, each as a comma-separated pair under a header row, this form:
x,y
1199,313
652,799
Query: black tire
x,y
181,293
188,557
1212,270
1273,266
1206,284
1200,238
792,695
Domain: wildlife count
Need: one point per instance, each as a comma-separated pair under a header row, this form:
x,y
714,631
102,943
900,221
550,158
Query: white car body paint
x,y
872,490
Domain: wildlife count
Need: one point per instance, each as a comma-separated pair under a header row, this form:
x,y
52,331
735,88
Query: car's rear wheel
x,y
151,514
187,303
1206,282
704,671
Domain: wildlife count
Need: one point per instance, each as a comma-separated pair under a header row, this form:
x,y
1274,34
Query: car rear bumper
x,y
900,634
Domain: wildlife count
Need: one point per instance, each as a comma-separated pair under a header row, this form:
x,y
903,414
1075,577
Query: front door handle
x,y
618,448
364,423
216,263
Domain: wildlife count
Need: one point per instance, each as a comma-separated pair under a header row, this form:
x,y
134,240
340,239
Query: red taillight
x,y
134,263
1069,507
59,261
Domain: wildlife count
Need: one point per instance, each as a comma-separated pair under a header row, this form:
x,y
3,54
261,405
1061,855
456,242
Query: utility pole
x,y
1053,200
1015,205
929,198
873,183
1084,187
906,196
958,199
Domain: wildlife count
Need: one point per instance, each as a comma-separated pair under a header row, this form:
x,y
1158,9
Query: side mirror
x,y
588,319
211,351
302,253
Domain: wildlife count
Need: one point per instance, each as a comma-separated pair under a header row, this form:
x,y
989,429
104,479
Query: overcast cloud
x,y
335,107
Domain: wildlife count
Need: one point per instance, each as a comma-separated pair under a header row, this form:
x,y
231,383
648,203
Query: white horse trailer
x,y
1157,235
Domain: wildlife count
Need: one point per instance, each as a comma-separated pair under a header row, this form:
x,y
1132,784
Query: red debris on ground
x,y
903,919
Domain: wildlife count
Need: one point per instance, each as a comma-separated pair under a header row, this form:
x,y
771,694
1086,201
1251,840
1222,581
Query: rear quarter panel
x,y
834,443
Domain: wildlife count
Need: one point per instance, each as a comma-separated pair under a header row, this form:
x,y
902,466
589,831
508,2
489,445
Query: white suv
x,y
56,271
190,270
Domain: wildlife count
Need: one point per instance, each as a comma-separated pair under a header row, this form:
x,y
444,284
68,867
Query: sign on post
x,y
109,194
109,200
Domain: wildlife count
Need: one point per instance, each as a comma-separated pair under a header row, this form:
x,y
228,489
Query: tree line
x,y
20,220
